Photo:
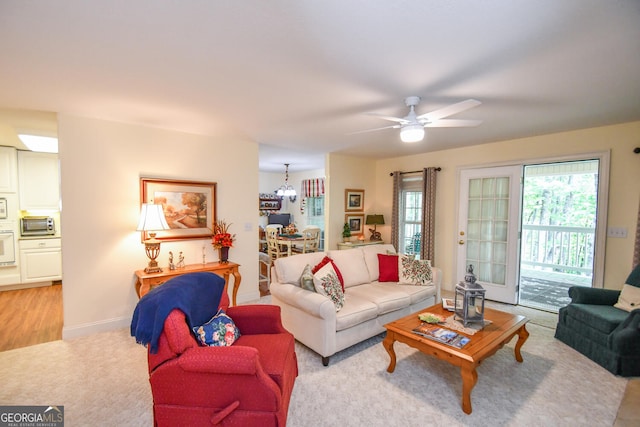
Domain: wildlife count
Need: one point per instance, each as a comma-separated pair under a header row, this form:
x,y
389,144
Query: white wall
x,y
354,173
101,165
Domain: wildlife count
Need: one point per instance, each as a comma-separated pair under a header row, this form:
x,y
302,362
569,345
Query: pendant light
x,y
286,189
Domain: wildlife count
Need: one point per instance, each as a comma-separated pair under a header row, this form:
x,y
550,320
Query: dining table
x,y
289,240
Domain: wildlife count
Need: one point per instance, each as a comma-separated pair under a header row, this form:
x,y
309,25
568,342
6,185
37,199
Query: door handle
x,y
461,242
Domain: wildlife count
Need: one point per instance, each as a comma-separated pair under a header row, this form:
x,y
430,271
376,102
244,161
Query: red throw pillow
x,y
322,263
388,268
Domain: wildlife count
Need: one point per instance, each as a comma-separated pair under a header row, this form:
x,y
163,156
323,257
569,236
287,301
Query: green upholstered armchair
x,y
605,334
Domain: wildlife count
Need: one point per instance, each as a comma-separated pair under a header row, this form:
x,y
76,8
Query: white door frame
x,y
506,292
601,216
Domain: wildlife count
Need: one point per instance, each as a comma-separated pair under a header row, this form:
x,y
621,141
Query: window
x,y
410,215
315,215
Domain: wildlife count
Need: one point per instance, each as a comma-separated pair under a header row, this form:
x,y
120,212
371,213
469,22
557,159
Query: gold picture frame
x,y
189,207
353,200
356,223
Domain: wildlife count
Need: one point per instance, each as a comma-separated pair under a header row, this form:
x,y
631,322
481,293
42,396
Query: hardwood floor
x,y
30,316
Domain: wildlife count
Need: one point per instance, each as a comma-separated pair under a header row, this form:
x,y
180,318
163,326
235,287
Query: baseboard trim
x,y
85,329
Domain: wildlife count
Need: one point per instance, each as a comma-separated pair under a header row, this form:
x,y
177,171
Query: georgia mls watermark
x,y
31,416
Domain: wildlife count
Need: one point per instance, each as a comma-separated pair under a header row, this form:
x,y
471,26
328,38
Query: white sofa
x,y
369,304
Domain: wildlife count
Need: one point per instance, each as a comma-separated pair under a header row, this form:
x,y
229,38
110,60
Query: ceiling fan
x,y
412,126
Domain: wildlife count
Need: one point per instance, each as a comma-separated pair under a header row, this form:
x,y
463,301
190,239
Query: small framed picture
x,y
3,208
353,200
356,223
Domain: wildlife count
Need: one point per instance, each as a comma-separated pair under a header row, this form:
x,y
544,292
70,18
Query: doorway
x,y
531,230
559,211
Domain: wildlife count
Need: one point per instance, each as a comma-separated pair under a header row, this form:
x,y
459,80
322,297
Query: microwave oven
x,y
37,226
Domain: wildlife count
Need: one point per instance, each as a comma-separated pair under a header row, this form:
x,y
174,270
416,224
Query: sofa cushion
x,y
356,310
326,283
371,258
289,269
387,298
416,293
604,318
351,265
414,271
388,266
275,352
629,298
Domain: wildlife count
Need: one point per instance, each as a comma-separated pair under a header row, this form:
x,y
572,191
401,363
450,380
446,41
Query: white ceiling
x,y
297,75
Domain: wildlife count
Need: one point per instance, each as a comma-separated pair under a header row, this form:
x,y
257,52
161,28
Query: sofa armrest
x,y
257,319
595,296
437,282
309,302
626,337
233,360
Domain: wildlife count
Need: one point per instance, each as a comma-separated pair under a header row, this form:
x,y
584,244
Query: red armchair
x,y
247,384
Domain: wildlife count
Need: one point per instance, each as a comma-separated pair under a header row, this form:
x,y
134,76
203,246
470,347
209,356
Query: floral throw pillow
x,y
220,331
414,271
326,283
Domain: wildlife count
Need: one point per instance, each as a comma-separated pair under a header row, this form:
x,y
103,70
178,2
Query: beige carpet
x,y
102,380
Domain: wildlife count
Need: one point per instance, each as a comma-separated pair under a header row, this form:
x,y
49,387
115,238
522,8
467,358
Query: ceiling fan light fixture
x,y
412,133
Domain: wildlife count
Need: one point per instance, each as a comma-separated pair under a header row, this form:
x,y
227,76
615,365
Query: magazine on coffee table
x,y
445,336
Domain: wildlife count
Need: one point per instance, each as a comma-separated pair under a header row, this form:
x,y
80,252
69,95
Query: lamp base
x,y
153,267
375,235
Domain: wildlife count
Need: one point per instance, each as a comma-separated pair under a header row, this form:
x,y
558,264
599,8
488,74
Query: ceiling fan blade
x,y
450,110
450,123
373,130
390,118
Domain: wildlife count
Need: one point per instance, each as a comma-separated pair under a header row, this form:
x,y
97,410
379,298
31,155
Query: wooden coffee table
x,y
483,344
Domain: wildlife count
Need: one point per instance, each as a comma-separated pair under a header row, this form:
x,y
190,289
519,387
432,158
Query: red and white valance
x,y
312,187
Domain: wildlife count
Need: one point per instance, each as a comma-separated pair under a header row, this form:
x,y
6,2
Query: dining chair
x,y
311,241
274,249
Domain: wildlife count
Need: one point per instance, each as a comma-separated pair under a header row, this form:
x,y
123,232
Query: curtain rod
x,y
438,169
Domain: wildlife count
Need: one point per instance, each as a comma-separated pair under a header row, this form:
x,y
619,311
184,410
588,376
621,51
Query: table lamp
x,y
375,220
151,220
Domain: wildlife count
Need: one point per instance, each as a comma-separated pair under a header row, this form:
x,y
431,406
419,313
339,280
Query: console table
x,y
146,281
351,245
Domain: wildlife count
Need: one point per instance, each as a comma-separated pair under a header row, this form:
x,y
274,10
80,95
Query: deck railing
x,y
560,249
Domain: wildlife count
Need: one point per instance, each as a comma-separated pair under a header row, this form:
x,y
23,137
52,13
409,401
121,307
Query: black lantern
x,y
469,299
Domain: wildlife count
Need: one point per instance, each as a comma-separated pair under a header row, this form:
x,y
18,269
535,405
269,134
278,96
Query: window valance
x,y
312,187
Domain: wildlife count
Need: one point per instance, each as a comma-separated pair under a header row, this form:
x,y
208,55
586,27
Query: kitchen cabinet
x,y
8,170
40,260
38,181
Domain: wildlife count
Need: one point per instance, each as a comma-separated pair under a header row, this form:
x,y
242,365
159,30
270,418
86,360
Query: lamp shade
x,y
152,218
374,220
412,133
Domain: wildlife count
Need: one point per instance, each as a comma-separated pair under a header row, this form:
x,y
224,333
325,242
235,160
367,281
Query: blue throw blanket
x,y
197,295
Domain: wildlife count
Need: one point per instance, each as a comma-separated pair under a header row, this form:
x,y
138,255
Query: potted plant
x,y
346,232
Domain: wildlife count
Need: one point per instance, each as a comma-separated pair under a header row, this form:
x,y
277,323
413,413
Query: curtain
x,y
636,250
310,188
428,214
395,210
